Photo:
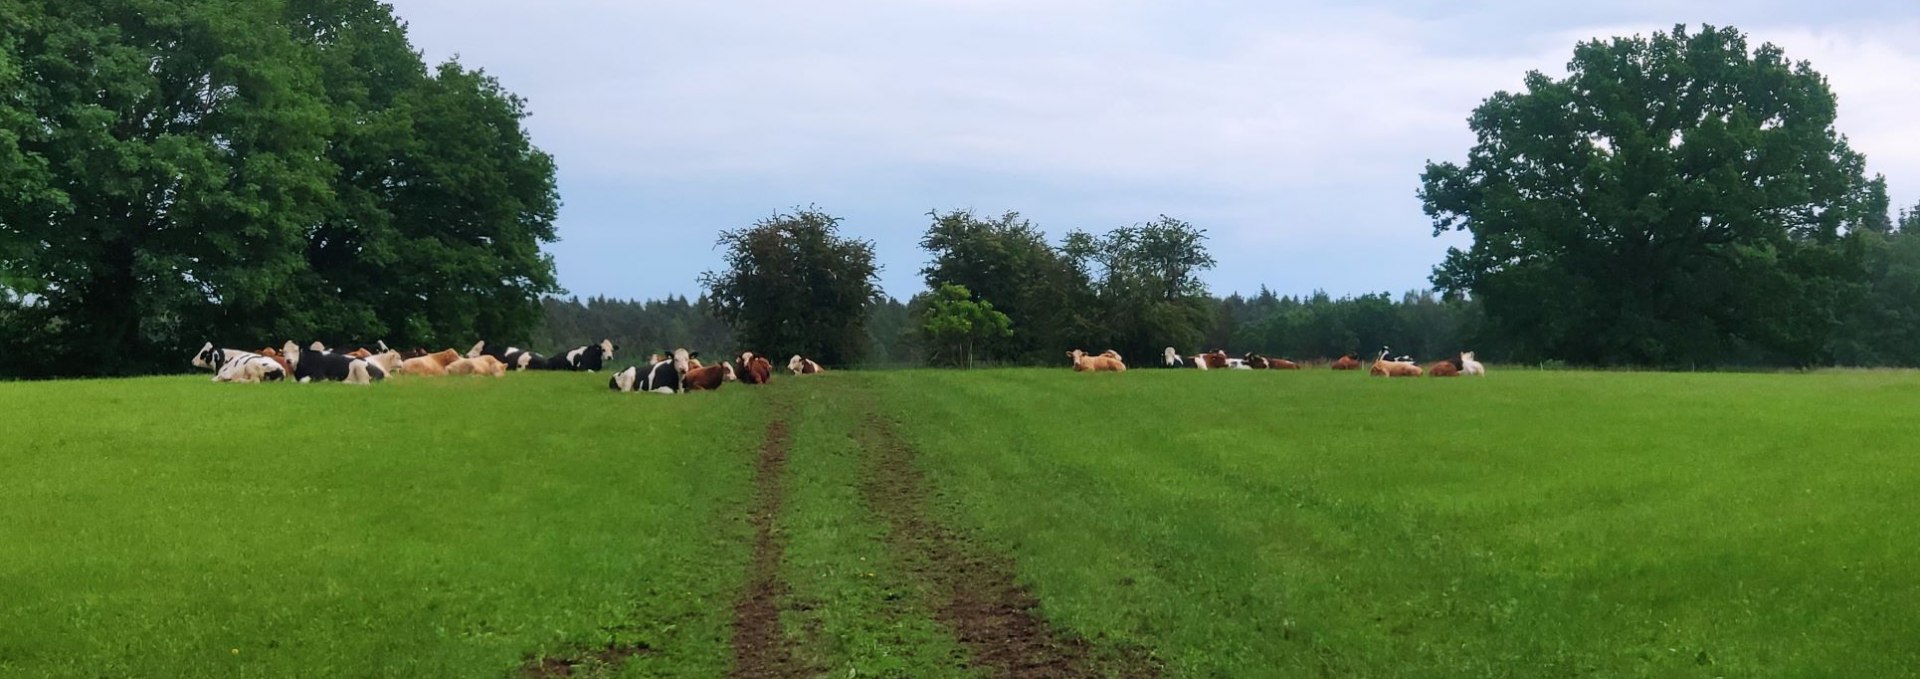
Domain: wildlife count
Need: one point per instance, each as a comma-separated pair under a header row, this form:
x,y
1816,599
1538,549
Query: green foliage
x,y
953,321
638,327
1007,259
1885,329
1677,200
793,285
1322,327
248,171
1147,278
891,335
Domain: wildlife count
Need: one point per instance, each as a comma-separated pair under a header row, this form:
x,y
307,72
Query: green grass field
x,y
1236,524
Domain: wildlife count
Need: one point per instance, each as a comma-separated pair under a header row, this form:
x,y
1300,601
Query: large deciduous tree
x,y
245,171
794,285
1675,200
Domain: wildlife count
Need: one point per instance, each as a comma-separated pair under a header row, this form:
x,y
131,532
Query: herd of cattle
x,y
675,372
1110,361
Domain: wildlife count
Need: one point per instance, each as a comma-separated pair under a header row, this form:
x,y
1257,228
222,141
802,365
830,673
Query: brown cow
x,y
1084,363
708,378
1347,362
1443,369
478,365
755,369
430,364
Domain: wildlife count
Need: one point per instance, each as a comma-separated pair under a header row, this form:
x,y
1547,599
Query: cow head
x,y
607,348
292,353
209,357
796,363
683,360
726,372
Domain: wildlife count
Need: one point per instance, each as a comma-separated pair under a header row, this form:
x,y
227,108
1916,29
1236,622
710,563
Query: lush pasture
x,y
1230,524
1528,524
172,528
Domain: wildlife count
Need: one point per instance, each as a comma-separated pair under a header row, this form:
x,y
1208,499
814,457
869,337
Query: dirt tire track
x,y
992,616
612,657
759,647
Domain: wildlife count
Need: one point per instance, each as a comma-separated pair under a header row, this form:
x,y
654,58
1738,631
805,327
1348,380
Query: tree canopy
x,y
954,322
1008,260
1675,200
793,285
245,171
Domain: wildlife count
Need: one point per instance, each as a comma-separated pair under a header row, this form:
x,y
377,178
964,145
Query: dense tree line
x,y
251,171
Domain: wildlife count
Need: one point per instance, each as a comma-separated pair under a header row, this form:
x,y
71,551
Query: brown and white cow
x,y
1347,362
708,378
755,369
804,366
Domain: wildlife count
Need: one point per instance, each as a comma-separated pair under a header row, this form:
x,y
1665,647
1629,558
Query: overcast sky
x,y
1293,132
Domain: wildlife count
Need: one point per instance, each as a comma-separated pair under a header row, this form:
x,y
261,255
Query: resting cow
x,y
755,369
589,358
709,378
234,365
1173,359
327,366
1084,363
661,376
804,366
478,365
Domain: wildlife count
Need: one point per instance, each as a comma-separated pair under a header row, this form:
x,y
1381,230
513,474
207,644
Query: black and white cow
x,y
327,366
514,358
661,377
589,358
234,365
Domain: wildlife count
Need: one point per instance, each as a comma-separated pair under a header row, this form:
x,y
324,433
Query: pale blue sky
x,y
1294,132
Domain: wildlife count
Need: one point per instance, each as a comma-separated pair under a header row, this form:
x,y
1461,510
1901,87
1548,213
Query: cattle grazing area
x,y
1014,523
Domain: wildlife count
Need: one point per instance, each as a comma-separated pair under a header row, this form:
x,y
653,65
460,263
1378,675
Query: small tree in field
x,y
955,322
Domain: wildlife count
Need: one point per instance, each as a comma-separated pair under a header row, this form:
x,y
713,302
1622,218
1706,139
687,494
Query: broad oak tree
x,y
1675,200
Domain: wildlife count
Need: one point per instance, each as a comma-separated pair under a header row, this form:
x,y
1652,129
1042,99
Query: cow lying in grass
x,y
1258,362
234,365
661,375
327,366
1347,362
804,366
514,358
1385,368
1471,367
1084,363
1443,369
478,365
430,365
755,369
708,378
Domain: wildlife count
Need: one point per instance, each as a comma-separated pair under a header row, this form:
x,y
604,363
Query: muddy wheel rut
x,y
977,597
760,649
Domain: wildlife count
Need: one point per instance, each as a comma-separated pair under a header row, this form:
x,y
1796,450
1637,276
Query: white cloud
x,y
1289,131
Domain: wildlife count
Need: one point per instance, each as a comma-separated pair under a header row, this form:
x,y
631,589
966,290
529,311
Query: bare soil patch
x,y
996,619
760,649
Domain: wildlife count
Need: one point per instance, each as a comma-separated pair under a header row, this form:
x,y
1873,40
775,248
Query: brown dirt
x,y
996,619
759,647
602,660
